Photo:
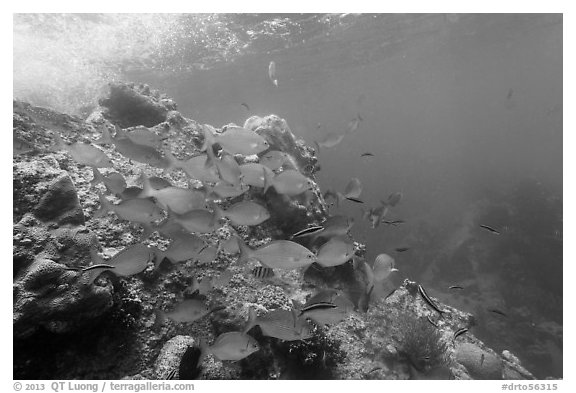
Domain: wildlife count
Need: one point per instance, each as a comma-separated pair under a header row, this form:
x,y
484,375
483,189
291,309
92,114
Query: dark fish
x,y
481,360
245,105
395,222
367,154
308,231
98,266
189,364
455,287
494,231
374,369
431,321
460,332
262,272
496,311
171,375
428,300
402,249
317,306
354,199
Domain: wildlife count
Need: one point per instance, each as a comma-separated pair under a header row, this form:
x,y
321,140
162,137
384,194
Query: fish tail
x,y
159,256
172,161
104,206
245,251
98,178
268,180
317,147
208,138
251,320
105,139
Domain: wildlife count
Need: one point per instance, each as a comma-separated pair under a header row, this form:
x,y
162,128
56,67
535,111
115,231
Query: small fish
x,y
291,183
139,153
114,182
208,254
335,226
496,311
401,249
331,315
231,346
195,167
159,183
459,332
274,159
280,324
179,200
376,215
244,213
256,175
230,245
142,211
189,368
223,189
335,252
185,246
431,321
143,136
488,228
331,139
245,105
131,192
197,220
263,272
131,260
354,124
188,310
21,146
316,306
282,254
84,153
455,287
383,267
394,223
481,360
394,199
171,375
226,166
272,73
235,140
353,188
352,199
99,266
367,154
308,231
429,300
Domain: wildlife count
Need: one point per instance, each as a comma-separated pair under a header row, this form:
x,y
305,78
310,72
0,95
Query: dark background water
x,y
462,112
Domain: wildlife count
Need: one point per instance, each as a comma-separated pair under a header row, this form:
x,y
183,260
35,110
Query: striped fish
x,y
262,272
428,300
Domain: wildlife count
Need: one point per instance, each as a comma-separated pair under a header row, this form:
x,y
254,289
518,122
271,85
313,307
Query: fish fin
x,y
98,178
317,147
105,138
104,206
172,161
251,320
148,229
159,256
245,251
147,190
208,138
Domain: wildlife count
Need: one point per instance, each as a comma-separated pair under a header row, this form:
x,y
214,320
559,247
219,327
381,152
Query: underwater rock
x,y
129,105
481,364
169,358
50,244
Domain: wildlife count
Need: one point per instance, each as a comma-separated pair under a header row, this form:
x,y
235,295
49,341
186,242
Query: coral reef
x,y
82,326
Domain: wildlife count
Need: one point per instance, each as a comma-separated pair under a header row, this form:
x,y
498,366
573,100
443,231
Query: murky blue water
x,y
463,114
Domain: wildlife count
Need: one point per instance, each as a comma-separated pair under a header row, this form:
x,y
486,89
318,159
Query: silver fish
x,y
114,182
281,254
197,220
280,324
256,175
383,267
272,73
131,260
84,153
179,200
274,159
189,310
336,251
244,213
291,183
236,140
142,211
143,136
139,153
185,246
231,346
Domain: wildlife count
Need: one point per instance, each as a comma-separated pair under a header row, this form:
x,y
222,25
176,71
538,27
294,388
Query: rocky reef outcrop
x,y
82,325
